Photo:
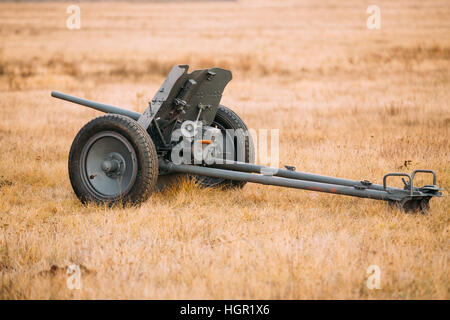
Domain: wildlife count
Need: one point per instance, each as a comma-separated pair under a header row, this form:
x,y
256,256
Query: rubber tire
x,y
230,120
147,160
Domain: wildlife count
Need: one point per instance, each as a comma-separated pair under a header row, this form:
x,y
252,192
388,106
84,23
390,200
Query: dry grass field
x,y
350,102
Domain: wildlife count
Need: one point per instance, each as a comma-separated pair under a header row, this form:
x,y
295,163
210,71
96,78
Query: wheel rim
x,y
108,165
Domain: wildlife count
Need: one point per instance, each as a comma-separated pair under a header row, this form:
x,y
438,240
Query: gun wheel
x,y
227,119
114,161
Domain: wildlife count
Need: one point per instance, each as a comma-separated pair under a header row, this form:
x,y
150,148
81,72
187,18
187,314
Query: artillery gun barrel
x,y
97,106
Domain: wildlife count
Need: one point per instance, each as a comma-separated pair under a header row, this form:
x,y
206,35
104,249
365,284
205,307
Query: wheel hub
x,y
114,165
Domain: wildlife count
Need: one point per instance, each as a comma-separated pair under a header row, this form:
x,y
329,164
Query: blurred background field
x,y
348,101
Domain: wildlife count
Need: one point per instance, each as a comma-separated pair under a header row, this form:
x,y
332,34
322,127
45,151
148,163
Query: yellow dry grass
x,y
348,101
